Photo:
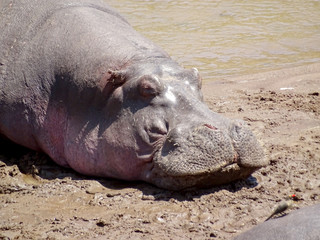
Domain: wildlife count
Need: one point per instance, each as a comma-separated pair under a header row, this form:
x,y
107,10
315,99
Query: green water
x,y
229,37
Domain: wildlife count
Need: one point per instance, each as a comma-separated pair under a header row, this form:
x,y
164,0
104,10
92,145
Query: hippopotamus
x,y
78,83
300,224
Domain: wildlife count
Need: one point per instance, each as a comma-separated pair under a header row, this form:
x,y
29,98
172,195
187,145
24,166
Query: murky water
x,y
229,37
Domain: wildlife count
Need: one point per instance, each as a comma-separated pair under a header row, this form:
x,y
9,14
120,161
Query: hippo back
x,y
301,224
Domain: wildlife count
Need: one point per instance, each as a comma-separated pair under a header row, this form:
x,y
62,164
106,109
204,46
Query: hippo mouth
x,y
206,157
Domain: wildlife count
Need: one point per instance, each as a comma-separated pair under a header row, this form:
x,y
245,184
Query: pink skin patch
x,y
210,126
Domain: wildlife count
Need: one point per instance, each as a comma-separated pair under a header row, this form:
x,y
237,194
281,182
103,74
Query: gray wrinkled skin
x,y
301,224
80,84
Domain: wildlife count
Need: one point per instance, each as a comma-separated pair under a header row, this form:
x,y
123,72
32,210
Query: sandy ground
x,y
40,200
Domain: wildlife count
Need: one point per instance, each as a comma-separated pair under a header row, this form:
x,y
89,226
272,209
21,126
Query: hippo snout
x,y
208,148
249,151
194,151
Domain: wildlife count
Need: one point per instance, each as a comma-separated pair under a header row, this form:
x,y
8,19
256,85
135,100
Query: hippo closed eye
x,y
80,84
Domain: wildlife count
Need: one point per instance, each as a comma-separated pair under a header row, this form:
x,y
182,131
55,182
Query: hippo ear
x,y
149,86
117,78
197,77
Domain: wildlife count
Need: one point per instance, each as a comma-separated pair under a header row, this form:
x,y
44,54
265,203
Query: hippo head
x,y
162,132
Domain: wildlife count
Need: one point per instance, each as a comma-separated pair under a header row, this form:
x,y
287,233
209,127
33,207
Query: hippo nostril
x,y
210,126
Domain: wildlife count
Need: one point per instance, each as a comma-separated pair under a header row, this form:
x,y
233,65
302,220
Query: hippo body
x,y
80,84
301,224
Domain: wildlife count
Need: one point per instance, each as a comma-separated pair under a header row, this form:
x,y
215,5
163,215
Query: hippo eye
x,y
149,86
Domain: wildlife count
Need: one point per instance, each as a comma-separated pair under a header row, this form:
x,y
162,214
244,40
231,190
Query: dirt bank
x,y
40,200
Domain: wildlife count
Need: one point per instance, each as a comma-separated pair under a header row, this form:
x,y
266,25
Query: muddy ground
x,y
40,200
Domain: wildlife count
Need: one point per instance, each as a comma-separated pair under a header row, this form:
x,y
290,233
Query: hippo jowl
x,y
80,84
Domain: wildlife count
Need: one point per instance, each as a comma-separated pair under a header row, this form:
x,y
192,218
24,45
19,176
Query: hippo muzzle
x,y
206,155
